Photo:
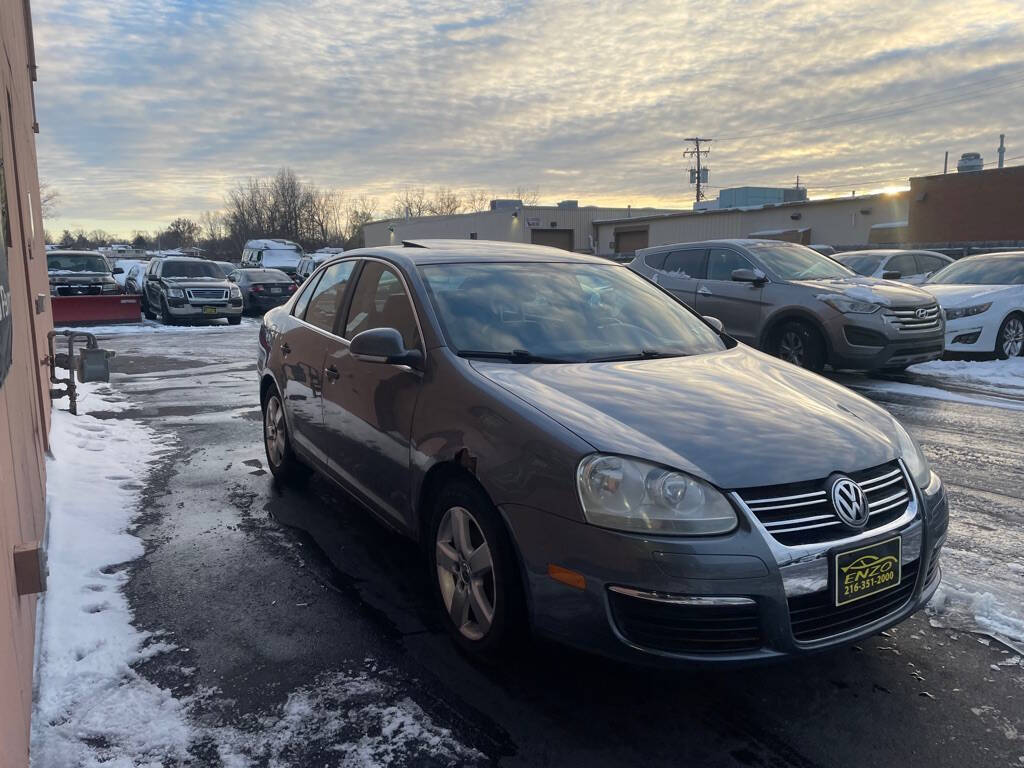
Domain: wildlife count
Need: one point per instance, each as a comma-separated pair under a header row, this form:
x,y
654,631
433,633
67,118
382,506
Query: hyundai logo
x,y
921,313
849,502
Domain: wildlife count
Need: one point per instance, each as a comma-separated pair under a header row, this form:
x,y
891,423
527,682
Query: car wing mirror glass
x,y
384,345
891,274
117,271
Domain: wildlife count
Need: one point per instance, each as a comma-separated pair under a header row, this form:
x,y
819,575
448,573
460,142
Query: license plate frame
x,y
209,310
867,570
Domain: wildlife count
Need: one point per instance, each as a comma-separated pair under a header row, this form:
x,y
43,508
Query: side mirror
x,y
891,274
117,271
384,345
749,276
714,322
233,278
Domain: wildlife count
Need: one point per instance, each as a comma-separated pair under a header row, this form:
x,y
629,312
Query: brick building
x,y
24,383
981,206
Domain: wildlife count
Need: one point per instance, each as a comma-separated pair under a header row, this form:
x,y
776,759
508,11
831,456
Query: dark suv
x,y
794,303
183,288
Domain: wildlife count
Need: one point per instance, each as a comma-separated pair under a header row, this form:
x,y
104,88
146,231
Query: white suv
x,y
272,254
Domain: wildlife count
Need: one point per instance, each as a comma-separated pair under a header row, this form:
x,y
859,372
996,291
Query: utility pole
x,y
945,164
1002,148
698,175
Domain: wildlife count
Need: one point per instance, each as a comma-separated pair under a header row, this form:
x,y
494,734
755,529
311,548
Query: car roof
x,y
413,253
996,255
737,241
889,252
273,243
74,252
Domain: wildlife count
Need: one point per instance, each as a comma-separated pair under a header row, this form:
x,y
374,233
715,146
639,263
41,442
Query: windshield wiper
x,y
515,356
644,354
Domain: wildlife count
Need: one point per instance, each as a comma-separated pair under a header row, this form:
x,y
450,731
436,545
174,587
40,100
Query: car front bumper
x,y
745,577
183,310
971,334
869,342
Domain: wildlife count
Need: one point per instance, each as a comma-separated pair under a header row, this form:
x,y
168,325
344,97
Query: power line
x,y
928,100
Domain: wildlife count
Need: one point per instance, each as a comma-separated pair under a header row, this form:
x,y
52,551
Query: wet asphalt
x,y
265,591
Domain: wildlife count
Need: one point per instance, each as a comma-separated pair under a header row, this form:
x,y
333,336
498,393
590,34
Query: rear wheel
x,y
282,461
1010,339
800,344
473,570
235,320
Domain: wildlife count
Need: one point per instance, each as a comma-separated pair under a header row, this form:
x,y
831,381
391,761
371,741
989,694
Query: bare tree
x,y
444,202
361,211
529,195
409,203
49,200
476,200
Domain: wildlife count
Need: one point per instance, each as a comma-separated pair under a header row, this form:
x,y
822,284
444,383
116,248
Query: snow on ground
x,y
92,707
155,327
918,390
999,374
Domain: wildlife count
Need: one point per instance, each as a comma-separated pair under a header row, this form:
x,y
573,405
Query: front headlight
x,y
958,312
633,495
848,306
110,288
235,292
175,293
912,456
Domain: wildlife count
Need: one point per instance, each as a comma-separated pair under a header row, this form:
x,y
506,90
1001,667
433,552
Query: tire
x,y
165,313
800,344
277,443
146,311
236,320
465,595
1010,339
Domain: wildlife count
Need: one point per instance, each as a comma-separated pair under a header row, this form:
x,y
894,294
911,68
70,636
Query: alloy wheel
x,y
791,348
274,431
1012,340
465,572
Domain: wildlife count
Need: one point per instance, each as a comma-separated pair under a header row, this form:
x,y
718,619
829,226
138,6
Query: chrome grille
x,y
215,294
907,319
801,513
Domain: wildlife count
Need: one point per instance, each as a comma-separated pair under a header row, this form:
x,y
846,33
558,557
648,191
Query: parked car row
x,y
582,455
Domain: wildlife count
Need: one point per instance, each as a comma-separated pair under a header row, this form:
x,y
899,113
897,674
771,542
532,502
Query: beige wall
x,y
24,399
840,221
497,225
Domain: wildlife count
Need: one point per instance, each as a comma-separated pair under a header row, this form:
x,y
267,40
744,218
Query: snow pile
x,y
966,607
357,716
92,706
1000,374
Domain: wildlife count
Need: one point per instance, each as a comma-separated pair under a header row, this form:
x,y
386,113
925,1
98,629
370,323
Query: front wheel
x,y
165,313
473,570
149,314
799,344
1010,339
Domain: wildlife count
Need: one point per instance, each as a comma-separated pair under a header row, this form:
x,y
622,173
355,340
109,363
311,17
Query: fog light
x,y
967,338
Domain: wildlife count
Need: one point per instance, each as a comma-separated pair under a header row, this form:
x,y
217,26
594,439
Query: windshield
x,y
982,271
173,269
861,263
790,261
561,312
76,262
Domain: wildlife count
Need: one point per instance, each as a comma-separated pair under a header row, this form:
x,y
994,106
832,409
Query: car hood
x,y
197,282
967,295
737,418
871,289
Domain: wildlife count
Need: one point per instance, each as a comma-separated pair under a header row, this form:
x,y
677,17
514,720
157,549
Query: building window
x,y
472,235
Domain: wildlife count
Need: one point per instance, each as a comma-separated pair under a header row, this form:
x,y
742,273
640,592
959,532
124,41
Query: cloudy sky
x,y
151,110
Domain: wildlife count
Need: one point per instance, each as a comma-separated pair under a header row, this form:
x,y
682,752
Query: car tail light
x,y
264,341
256,289
291,287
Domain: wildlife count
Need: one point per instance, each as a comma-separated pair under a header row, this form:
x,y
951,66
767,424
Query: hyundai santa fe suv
x,y
797,304
581,455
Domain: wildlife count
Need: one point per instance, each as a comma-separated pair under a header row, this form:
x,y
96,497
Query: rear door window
x,y
926,263
686,263
655,260
904,263
326,298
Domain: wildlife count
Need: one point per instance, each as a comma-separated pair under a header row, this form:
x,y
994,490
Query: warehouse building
x,y
854,220
565,225
25,319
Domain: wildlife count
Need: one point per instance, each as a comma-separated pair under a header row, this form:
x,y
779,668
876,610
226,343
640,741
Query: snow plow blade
x,y
95,310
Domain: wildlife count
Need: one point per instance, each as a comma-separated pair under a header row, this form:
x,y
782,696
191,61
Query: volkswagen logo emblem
x,y
849,502
921,313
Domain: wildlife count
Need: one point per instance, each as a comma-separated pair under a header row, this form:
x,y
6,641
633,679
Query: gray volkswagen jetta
x,y
581,455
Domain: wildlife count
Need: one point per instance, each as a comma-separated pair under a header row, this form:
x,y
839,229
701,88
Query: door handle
x,y
332,373
285,349
703,291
